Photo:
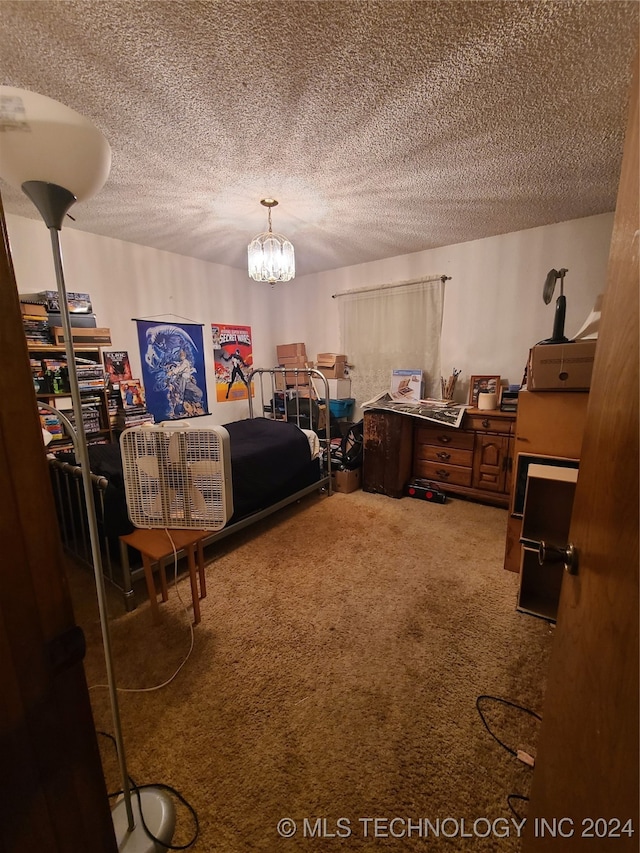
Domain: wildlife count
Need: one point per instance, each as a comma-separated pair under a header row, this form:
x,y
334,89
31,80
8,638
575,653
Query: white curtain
x,y
390,328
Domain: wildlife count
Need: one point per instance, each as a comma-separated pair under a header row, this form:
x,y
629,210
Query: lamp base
x,y
159,816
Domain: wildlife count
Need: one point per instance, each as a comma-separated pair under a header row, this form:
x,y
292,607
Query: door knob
x,y
555,554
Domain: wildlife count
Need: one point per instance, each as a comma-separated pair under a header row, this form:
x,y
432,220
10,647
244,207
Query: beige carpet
x,y
334,675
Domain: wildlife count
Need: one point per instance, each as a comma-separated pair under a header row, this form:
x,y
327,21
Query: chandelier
x,y
271,256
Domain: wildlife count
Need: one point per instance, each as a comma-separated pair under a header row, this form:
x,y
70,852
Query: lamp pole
x,y
53,202
72,159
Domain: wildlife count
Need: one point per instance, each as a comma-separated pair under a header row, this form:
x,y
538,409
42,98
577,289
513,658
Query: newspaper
x,y
439,411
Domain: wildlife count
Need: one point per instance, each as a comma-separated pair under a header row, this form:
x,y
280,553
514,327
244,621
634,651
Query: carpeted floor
x,y
333,681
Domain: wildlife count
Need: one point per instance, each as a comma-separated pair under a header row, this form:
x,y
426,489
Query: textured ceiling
x,y
382,128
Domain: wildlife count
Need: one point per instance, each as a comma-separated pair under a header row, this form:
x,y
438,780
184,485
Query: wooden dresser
x,y
473,460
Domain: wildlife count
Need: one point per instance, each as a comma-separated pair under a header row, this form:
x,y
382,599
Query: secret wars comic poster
x,y
233,360
173,369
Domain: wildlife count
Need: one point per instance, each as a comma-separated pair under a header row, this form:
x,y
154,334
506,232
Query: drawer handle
x,y
443,455
445,439
486,423
442,473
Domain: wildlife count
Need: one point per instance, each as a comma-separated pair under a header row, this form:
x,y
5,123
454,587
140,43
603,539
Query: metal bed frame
x,y
267,384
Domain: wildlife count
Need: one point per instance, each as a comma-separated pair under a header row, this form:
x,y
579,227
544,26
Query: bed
x,y
278,455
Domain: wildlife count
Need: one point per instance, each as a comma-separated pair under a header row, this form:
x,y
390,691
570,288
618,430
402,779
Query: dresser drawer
x,y
486,423
442,437
454,474
443,454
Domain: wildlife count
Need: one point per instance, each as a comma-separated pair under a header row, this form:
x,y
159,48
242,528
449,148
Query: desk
x,y
155,546
473,460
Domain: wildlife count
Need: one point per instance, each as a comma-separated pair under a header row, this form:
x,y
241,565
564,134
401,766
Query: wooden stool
x,y
155,547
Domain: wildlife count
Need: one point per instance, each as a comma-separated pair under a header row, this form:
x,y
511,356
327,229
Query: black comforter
x,y
269,459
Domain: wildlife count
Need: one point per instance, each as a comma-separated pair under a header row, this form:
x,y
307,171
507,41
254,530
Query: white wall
x,y
494,311
493,304
128,281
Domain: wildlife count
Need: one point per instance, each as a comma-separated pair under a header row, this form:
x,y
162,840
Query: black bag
x,y
349,454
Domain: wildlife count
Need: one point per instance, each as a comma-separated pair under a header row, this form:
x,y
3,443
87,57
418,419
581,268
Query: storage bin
x,y
341,408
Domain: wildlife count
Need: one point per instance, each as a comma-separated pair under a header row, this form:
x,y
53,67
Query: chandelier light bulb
x,y
271,256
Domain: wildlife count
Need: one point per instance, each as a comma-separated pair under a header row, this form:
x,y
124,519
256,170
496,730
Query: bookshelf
x,y
47,365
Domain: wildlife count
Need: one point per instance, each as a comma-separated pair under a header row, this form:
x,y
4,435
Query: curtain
x,y
391,328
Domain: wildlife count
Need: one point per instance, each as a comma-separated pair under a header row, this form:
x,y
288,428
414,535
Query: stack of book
x,y
509,400
90,414
113,407
52,424
36,325
91,375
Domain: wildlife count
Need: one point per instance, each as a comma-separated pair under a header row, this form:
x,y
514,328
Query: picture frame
x,y
483,383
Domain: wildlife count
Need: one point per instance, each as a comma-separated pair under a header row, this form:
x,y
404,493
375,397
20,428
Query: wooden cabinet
x,y
473,460
388,446
444,455
549,424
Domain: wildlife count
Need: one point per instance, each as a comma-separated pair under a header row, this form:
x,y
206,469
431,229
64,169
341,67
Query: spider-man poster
x,y
233,359
173,374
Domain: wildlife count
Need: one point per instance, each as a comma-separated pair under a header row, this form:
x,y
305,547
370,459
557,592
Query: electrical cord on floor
x,y
510,804
188,655
136,789
517,753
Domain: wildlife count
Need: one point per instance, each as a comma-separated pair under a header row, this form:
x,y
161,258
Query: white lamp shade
x,y
43,140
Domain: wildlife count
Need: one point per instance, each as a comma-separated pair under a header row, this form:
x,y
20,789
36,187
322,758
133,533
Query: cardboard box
x,y
346,481
290,379
329,359
290,351
293,361
338,371
406,384
561,367
84,337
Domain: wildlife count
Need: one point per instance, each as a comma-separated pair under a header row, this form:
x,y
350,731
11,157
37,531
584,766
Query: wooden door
x,y
587,764
489,462
53,794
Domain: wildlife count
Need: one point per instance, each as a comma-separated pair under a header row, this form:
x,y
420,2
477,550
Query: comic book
x,y
117,366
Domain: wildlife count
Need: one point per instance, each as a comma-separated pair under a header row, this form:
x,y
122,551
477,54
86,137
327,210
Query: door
x,y
54,796
586,772
490,462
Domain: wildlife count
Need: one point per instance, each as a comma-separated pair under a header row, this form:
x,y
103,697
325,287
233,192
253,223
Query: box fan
x,y
177,476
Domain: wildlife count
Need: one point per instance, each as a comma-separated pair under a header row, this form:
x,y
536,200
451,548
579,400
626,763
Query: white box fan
x,y
177,477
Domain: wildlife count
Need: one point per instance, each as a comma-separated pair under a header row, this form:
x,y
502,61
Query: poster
x,y
173,371
116,364
233,360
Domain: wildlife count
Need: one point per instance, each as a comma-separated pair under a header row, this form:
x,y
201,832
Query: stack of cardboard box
x,y
292,356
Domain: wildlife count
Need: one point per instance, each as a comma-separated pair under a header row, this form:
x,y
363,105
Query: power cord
x,y
188,655
138,788
520,754
517,753
510,804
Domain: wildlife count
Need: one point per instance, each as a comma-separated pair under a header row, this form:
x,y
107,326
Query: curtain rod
x,y
441,278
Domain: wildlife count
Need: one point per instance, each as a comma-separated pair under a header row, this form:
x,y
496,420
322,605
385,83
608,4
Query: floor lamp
x,y
57,157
